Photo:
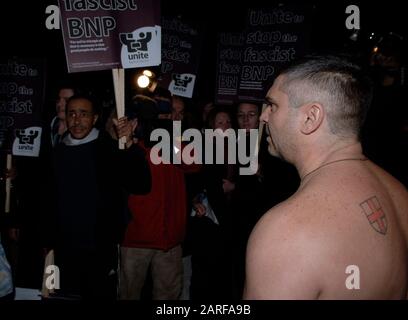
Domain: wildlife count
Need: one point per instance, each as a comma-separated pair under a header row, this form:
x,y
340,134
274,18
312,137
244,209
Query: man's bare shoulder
x,y
303,247
397,191
301,213
286,217
296,221
282,256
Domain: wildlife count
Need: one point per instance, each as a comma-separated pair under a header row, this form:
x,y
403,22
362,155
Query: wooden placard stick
x,y
119,86
8,185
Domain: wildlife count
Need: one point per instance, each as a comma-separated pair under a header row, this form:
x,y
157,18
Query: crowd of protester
x,y
123,227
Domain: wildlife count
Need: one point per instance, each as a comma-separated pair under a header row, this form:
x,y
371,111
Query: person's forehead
x,y
222,116
247,107
278,82
275,92
177,99
178,103
66,93
80,104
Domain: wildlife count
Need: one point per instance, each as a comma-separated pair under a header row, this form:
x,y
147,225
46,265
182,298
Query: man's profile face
x,y
278,118
247,116
63,96
80,118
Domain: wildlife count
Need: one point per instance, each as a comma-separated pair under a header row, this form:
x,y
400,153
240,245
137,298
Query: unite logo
x,y
181,80
136,46
27,142
26,138
141,47
182,84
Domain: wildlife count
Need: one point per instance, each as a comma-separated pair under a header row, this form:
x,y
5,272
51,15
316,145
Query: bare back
x,y
343,235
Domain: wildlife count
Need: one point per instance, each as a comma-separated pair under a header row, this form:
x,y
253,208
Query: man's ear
x,y
312,117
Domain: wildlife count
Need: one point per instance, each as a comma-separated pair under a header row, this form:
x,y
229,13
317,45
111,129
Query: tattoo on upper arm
x,y
375,214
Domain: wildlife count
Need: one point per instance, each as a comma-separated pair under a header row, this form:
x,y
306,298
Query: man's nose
x,y
77,120
264,116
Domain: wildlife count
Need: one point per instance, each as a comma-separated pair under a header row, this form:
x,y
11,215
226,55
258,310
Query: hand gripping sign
x,y
100,35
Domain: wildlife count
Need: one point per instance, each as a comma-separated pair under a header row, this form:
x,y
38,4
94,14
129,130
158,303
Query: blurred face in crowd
x,y
222,121
206,110
177,109
80,117
247,116
63,96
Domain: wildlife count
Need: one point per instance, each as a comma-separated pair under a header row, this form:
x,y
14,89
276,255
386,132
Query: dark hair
x,y
162,92
338,84
68,84
145,110
216,110
255,103
142,107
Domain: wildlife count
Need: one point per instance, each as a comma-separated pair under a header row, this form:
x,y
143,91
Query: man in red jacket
x,y
154,234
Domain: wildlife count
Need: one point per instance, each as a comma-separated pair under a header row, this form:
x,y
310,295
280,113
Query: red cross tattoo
x,y
375,214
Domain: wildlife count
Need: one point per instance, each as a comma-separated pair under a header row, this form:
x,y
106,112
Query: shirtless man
x,y
346,212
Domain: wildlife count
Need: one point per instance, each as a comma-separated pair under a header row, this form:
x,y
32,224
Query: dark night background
x,y
23,32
